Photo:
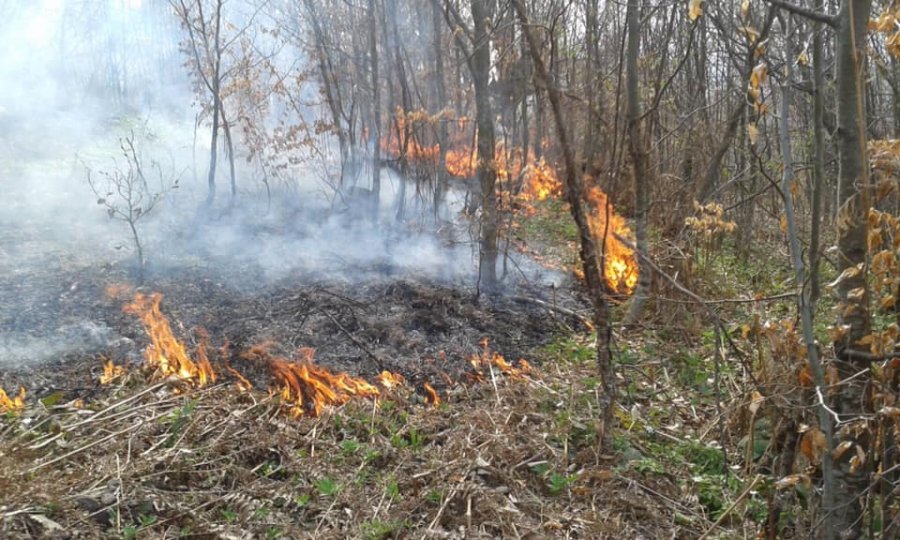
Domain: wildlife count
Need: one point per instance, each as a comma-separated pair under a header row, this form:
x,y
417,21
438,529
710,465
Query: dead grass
x,y
500,458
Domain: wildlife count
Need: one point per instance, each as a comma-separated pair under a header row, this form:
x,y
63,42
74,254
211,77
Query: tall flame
x,y
620,265
166,355
12,404
431,395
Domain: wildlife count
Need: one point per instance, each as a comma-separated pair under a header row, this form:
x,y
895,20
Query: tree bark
x,y
846,516
486,144
376,113
639,158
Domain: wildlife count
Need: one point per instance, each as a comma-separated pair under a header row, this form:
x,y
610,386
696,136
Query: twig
x,y
731,507
355,341
551,307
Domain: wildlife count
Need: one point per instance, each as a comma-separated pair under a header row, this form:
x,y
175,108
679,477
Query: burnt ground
x,y
423,330
503,457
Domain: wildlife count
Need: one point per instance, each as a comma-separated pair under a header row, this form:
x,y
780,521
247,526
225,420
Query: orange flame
x,y
12,405
539,178
166,355
620,265
431,395
492,358
111,372
306,389
390,380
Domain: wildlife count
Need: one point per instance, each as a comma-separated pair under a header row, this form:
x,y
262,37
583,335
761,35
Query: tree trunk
x,y
852,293
486,144
376,112
638,151
818,172
441,180
590,258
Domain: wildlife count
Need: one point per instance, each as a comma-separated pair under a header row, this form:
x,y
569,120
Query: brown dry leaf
x,y
812,444
791,481
695,9
745,9
857,461
841,450
753,133
805,377
832,378
756,400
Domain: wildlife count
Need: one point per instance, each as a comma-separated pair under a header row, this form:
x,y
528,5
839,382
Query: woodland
x,y
450,269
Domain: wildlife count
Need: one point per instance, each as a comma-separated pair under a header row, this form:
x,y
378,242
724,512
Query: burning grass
x,y
493,460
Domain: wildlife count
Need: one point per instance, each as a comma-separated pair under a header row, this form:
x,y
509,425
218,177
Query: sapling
x,y
125,193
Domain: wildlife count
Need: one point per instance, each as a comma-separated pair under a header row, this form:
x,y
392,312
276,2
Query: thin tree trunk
x,y
818,172
590,258
639,158
376,113
805,307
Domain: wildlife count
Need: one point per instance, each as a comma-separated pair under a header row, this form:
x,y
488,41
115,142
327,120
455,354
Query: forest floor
x,y
504,454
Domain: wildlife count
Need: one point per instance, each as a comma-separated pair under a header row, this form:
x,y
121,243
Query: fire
x,y
620,264
487,358
539,180
166,355
390,380
111,372
12,405
306,389
431,395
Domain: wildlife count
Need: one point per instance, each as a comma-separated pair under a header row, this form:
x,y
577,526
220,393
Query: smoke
x,y
78,77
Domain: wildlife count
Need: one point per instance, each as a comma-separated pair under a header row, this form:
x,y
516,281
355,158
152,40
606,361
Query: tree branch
x,y
812,15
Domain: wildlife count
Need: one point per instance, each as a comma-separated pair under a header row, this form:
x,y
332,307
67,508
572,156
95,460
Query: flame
x,y
431,395
306,389
390,380
111,372
166,355
539,179
12,405
488,358
620,266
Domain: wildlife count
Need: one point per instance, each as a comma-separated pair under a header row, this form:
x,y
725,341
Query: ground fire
x,y
488,359
167,356
12,404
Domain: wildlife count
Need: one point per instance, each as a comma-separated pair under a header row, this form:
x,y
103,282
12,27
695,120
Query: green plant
x,y
350,446
228,514
178,420
559,482
327,486
379,530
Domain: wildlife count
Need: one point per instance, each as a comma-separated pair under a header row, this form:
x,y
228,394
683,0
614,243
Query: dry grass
x,y
501,458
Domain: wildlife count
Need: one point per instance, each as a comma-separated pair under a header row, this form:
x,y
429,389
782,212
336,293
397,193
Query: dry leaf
x,y
841,450
695,9
753,133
